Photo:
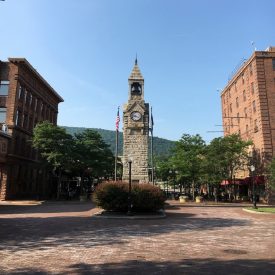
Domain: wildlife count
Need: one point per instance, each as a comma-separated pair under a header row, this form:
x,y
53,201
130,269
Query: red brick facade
x,y
250,95
25,99
248,104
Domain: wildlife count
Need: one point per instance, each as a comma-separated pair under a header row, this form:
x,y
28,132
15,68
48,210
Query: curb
x,y
255,212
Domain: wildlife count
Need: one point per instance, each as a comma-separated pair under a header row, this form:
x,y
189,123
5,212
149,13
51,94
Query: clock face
x,y
135,116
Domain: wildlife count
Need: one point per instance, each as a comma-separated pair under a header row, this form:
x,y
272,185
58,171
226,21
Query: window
x,y
238,116
237,102
3,112
250,69
243,78
30,99
22,93
245,112
246,129
18,120
230,107
255,125
273,64
244,95
229,93
30,123
254,106
35,104
252,88
25,121
4,88
19,91
26,97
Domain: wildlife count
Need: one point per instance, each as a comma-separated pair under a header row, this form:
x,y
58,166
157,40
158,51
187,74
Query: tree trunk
x,y
59,184
193,190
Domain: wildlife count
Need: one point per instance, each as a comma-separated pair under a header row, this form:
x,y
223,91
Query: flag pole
x,y
116,150
152,145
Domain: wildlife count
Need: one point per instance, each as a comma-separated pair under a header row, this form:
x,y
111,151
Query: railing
x,y
239,65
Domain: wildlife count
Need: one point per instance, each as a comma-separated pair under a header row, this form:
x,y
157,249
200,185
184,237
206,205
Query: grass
x,y
263,209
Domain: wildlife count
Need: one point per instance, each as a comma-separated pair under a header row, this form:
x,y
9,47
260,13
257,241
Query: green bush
x,y
113,196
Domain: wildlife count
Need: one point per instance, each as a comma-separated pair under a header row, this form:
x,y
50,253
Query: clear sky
x,y
186,50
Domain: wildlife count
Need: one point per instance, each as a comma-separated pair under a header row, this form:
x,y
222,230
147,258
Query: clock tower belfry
x,y
136,129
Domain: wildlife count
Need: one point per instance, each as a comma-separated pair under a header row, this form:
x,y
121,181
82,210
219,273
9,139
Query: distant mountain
x,y
162,147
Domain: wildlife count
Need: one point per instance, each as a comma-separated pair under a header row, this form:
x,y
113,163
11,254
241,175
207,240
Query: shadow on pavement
x,y
46,207
34,233
141,266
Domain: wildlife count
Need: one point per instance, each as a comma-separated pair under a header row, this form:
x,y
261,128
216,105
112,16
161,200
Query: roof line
x,y
25,61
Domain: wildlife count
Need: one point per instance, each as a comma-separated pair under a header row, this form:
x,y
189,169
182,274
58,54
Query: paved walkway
x,y
65,238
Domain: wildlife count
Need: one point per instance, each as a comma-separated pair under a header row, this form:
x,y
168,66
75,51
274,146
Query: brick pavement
x,y
65,238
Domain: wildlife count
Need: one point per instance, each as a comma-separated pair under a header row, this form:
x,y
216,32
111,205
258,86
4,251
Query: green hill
x,y
162,147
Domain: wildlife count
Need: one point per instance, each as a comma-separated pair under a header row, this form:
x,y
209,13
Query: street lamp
x,y
129,212
252,169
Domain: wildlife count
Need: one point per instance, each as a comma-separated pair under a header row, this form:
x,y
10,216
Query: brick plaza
x,y
66,238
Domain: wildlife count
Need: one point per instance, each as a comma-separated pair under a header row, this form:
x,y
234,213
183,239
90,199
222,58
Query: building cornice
x,y
34,71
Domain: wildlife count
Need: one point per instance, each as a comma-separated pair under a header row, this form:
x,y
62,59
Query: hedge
x,y
113,196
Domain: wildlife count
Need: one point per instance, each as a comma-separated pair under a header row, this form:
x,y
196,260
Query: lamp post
x,y
129,212
252,169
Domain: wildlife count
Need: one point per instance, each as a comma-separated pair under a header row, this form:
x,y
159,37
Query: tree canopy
x,y
85,150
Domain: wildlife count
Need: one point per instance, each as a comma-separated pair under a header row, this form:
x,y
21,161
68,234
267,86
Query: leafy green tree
x,y
162,168
271,170
55,146
225,156
93,154
188,158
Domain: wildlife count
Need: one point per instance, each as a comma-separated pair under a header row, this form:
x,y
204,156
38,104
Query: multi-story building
x,y
248,108
25,99
248,102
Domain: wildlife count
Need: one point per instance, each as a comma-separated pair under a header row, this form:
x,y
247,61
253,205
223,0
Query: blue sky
x,y
186,50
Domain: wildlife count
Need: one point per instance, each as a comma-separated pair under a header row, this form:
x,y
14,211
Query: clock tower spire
x,y
136,128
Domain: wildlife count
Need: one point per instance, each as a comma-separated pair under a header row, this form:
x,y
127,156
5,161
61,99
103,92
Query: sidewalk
x,y
66,238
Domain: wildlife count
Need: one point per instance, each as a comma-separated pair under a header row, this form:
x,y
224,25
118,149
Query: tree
x,y
225,156
270,186
188,158
91,152
55,146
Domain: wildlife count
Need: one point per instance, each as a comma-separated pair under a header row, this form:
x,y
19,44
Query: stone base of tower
x,y
136,179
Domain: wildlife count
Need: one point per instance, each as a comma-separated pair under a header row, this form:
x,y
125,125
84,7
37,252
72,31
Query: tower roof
x,y
136,73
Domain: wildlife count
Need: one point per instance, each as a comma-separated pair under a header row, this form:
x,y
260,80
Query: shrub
x,y
113,196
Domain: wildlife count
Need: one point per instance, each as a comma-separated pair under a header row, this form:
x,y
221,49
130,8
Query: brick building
x,y
25,99
248,108
248,102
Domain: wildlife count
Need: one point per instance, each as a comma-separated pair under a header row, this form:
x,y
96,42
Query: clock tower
x,y
136,129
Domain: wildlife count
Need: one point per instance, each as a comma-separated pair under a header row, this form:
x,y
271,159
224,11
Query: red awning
x,y
257,180
236,182
247,180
